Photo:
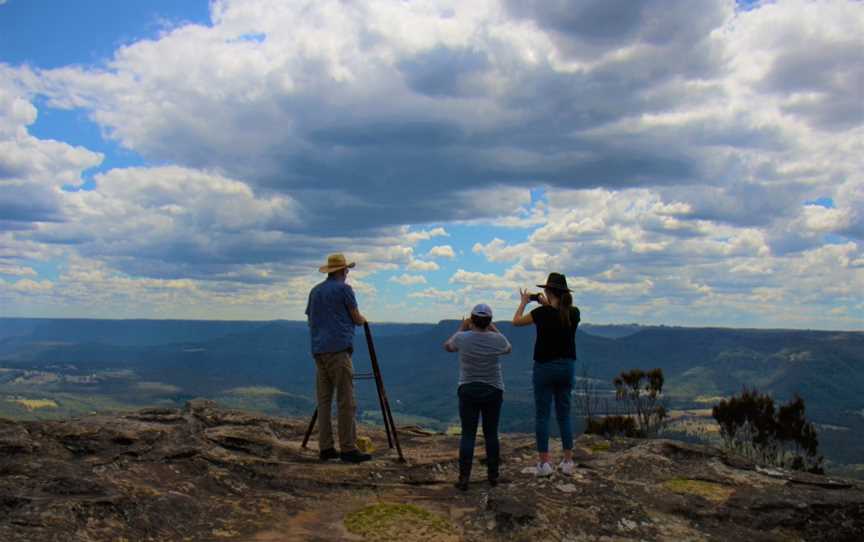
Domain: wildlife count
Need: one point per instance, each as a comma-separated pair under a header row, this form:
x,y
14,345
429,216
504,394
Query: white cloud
x,y
676,147
718,272
32,286
408,280
441,251
437,295
17,270
420,265
821,219
423,235
487,281
157,221
32,170
497,250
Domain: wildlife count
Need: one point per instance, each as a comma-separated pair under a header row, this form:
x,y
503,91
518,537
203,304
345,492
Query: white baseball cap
x,y
482,309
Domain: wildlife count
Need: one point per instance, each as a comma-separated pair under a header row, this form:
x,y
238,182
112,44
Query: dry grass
x,y
694,427
35,404
692,413
711,491
709,399
257,391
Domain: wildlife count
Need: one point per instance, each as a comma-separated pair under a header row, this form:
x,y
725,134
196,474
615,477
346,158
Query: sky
x,y
682,163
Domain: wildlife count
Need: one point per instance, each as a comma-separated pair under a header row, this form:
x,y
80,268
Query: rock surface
x,y
206,473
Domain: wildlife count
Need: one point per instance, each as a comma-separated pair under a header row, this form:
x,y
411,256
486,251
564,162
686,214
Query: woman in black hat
x,y
556,320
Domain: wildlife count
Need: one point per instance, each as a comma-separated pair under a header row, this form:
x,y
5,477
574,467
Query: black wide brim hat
x,y
556,281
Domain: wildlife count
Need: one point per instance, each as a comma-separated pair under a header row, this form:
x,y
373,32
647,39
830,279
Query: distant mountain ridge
x,y
173,361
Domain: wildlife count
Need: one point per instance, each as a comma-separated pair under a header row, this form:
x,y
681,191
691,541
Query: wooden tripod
x,y
386,415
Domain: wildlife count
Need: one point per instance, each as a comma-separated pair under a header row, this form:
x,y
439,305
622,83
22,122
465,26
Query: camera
x,y
534,297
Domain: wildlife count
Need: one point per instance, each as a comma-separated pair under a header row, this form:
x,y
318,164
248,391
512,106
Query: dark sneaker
x,y
493,479
329,453
354,456
462,483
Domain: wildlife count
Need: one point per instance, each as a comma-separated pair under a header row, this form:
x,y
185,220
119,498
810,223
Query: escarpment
x,y
207,473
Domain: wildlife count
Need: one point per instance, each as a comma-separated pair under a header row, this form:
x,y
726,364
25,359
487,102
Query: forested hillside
x,y
84,365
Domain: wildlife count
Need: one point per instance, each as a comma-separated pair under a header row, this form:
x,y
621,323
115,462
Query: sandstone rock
x,y
158,415
14,439
511,512
205,473
257,441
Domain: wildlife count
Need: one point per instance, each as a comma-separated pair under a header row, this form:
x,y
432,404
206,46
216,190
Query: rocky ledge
x,y
206,473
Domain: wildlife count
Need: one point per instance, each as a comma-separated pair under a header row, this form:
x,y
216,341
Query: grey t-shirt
x,y
478,356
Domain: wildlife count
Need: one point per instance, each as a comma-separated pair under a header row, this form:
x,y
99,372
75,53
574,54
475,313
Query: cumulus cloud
x,y
17,270
277,112
408,280
679,148
637,266
422,235
598,99
421,265
32,170
441,251
437,295
153,221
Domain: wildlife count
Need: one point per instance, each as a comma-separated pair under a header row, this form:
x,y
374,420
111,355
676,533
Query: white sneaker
x,y
544,469
567,467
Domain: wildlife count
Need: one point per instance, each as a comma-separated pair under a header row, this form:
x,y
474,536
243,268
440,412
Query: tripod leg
x,y
311,427
384,412
393,429
389,424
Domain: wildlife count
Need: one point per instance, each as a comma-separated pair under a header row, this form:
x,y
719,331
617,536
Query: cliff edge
x,y
207,473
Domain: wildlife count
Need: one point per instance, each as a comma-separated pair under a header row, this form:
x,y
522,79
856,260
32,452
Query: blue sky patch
x,y
56,33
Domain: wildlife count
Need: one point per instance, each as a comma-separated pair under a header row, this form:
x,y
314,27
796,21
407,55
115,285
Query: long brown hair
x,y
565,302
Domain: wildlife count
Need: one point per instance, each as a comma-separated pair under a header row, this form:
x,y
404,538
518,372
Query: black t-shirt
x,y
554,341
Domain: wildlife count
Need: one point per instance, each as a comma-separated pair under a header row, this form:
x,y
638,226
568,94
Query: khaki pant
x,y
335,373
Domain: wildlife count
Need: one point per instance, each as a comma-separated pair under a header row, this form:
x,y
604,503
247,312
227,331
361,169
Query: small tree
x,y
642,394
751,426
587,396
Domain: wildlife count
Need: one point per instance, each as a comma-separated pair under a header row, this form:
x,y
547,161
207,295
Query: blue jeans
x,y
476,399
553,380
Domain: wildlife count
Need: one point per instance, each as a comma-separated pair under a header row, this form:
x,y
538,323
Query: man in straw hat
x,y
332,312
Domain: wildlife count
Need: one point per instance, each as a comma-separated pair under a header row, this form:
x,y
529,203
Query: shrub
x,y
612,426
642,394
751,426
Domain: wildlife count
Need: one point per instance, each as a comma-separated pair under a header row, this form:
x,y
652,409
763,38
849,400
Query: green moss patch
x,y
714,492
388,521
453,430
600,446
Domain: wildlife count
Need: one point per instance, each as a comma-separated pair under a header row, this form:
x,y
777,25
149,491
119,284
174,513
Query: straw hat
x,y
335,262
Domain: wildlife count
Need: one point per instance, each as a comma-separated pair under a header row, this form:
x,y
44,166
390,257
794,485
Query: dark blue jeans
x,y
476,399
553,380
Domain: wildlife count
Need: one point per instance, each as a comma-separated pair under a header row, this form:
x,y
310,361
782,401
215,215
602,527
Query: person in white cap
x,y
332,312
481,388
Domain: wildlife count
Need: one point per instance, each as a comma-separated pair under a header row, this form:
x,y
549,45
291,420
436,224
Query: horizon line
x,y
430,323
